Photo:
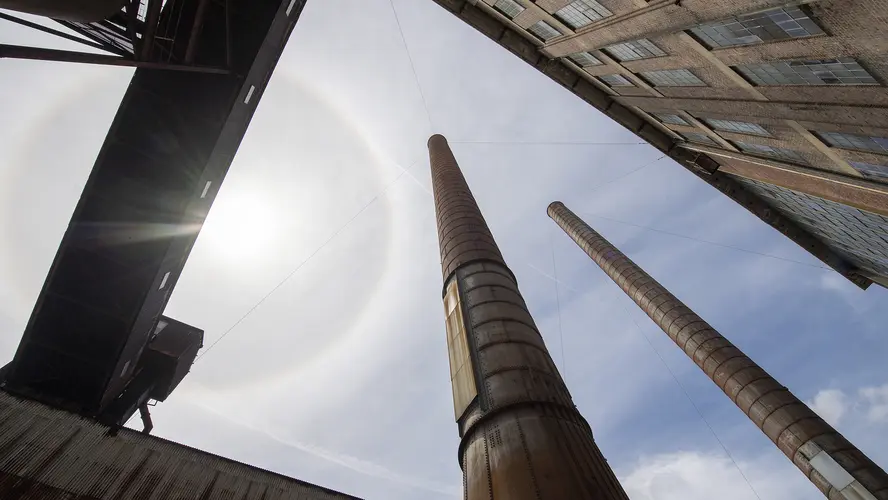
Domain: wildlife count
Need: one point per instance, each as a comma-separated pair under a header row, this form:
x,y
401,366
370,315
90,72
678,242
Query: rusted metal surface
x,y
813,445
51,454
522,437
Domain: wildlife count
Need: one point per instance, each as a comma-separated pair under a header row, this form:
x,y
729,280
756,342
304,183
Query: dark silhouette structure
x,y
93,344
522,436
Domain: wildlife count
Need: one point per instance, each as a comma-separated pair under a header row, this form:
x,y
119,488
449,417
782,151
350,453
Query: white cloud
x,y
876,401
831,405
692,475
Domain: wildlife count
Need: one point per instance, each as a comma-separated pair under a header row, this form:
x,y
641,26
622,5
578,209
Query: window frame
x,y
628,83
636,46
650,76
864,168
504,12
737,130
759,73
540,37
586,53
658,117
824,136
782,154
702,138
578,12
713,43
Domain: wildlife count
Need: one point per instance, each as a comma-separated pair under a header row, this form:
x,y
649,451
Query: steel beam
x,y
166,154
60,34
41,54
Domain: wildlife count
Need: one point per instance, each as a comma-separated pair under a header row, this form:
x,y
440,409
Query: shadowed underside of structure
x,y
53,454
155,178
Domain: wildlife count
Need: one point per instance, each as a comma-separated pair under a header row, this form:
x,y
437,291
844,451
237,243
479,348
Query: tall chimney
x,y
522,436
833,464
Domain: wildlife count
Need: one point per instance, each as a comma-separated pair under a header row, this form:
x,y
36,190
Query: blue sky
x,y
340,376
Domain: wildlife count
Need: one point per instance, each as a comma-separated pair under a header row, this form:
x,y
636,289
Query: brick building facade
x,y
783,106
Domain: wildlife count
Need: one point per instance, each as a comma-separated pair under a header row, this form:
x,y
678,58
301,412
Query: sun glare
x,y
241,226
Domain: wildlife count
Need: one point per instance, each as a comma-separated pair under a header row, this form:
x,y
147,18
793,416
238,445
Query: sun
x,y
240,226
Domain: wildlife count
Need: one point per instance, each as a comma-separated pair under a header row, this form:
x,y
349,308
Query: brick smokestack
x,y
522,437
833,464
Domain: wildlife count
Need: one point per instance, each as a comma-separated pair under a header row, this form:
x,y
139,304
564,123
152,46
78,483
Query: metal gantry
x,y
167,152
156,34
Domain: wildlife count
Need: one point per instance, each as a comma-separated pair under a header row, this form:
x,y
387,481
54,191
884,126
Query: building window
x,y
631,51
582,12
773,152
699,138
670,119
544,30
616,81
871,169
672,78
775,24
841,71
854,141
585,59
738,127
509,8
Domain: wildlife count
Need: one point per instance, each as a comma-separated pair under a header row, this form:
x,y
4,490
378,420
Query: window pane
x,y
841,71
670,119
616,81
775,24
582,12
585,59
638,49
544,30
738,127
854,141
672,78
510,8
699,137
773,152
871,169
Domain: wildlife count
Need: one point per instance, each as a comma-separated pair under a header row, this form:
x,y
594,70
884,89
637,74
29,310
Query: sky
x,y
318,271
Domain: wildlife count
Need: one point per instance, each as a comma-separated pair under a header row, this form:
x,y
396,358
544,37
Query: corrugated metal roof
x,y
47,453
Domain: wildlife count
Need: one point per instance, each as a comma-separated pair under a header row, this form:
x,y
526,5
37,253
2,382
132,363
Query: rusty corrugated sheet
x,y
51,454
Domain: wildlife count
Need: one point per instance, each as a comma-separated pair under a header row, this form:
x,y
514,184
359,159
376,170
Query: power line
x,y
553,143
302,264
412,66
709,242
662,360
690,400
621,177
558,303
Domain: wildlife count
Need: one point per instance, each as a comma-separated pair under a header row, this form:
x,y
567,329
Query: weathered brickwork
x,y
792,114
799,432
